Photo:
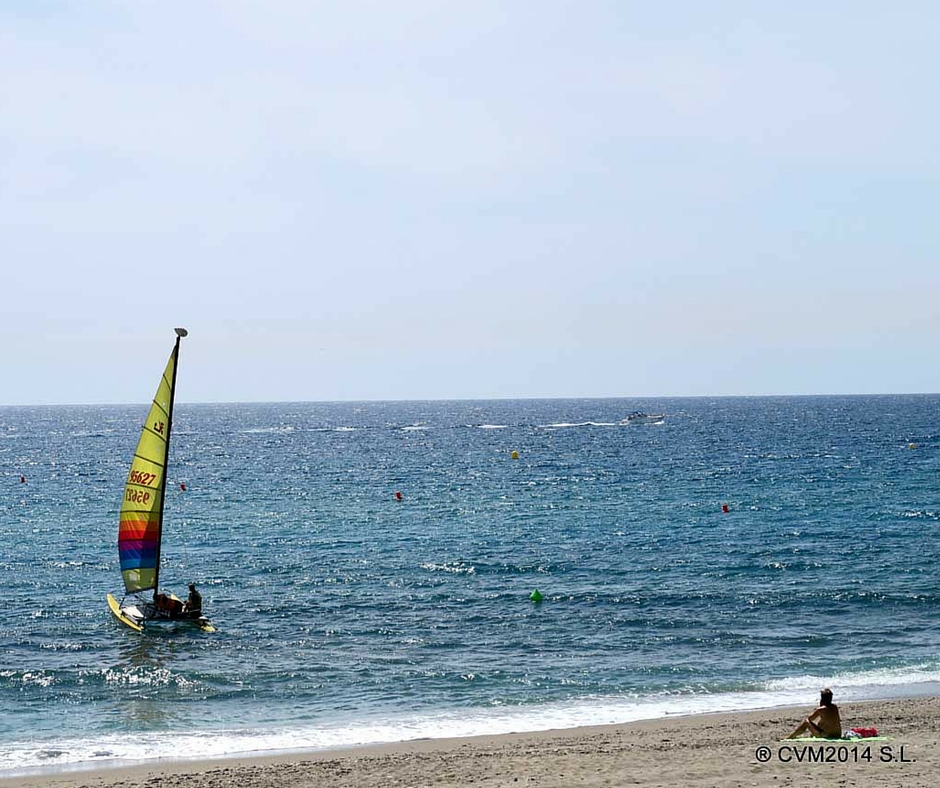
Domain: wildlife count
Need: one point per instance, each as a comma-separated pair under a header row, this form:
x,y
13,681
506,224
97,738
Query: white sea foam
x,y
457,568
32,756
859,685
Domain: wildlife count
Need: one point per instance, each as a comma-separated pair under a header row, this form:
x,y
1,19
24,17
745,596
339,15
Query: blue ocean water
x,y
346,616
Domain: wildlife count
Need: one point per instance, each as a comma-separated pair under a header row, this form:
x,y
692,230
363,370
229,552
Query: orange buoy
x,y
724,508
397,495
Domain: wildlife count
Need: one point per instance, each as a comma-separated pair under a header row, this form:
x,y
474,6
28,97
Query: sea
x,y
370,569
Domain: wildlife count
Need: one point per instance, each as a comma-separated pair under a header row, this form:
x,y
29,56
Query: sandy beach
x,y
721,750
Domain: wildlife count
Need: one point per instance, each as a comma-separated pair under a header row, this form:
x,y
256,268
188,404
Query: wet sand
x,y
714,750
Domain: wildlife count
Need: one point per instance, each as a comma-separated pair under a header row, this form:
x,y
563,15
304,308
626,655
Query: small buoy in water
x,y
183,486
397,495
22,480
536,596
912,445
515,454
724,508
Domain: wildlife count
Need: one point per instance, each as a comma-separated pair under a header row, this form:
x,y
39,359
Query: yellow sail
x,y
142,508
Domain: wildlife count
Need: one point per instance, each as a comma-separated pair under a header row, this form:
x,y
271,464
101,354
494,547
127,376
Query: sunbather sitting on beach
x,y
824,722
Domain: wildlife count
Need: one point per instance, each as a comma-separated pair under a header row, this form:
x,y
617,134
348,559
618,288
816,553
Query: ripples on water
x,y
336,602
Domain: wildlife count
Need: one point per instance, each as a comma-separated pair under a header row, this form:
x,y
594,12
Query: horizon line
x,y
596,398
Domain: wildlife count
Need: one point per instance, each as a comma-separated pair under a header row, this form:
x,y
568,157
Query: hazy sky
x,y
422,200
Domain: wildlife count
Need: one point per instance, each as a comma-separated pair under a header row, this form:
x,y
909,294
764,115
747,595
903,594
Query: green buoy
x,y
536,596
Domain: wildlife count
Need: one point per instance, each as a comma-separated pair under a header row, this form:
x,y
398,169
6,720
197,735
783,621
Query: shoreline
x,y
32,757
715,749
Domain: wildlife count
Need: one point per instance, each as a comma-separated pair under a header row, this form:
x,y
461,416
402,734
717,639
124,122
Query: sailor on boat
x,y
193,604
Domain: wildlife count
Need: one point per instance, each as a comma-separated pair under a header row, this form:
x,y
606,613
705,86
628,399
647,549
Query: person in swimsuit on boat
x,y
824,723
193,604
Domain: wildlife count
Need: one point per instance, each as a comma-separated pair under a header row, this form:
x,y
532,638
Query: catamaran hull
x,y
133,618
123,617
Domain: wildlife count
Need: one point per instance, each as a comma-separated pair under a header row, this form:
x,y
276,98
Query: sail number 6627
x,y
139,477
137,496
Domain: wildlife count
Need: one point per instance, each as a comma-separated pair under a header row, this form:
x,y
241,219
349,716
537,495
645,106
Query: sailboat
x,y
141,524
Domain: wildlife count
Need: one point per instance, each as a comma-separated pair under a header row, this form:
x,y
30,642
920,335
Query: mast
x,y
180,333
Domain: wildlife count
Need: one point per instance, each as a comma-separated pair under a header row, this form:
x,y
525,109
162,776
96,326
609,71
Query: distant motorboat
x,y
639,417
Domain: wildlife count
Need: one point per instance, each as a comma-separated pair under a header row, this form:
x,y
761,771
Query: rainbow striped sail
x,y
142,507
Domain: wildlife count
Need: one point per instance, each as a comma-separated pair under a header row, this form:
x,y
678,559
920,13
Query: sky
x,y
375,200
